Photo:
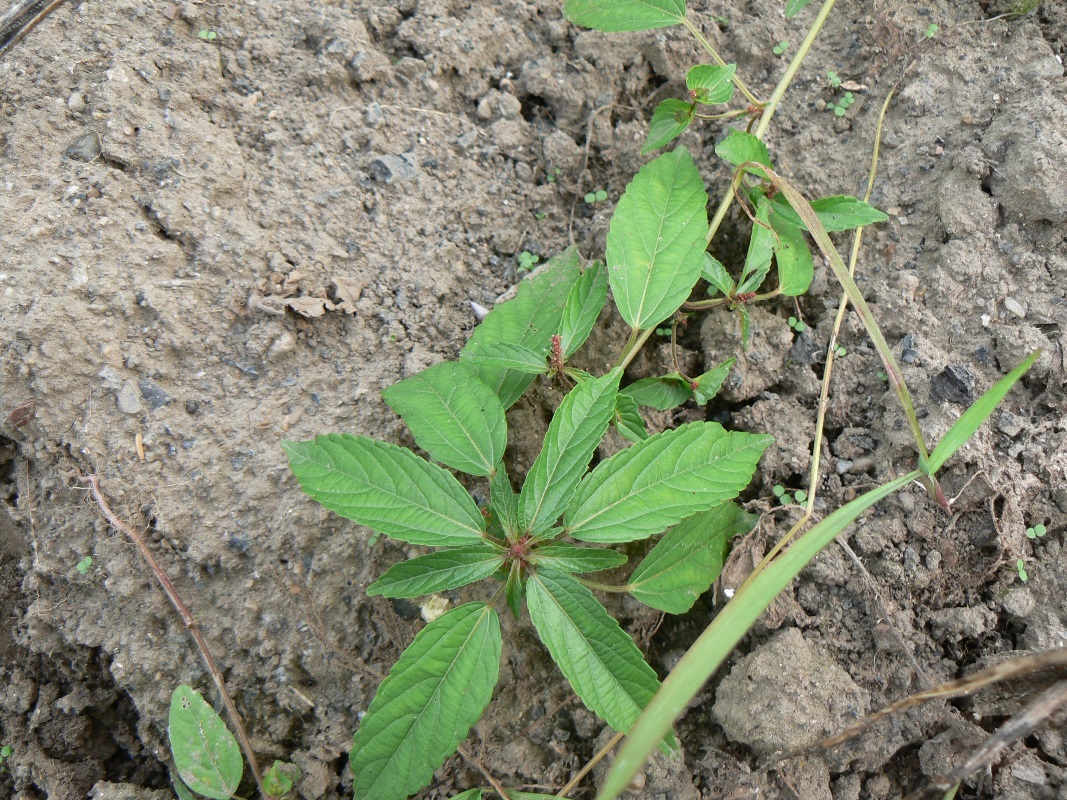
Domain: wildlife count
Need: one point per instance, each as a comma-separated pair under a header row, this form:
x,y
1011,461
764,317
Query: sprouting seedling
x,y
527,261
1036,532
5,754
553,174
1020,566
599,196
208,36
781,47
842,106
930,33
834,78
840,351
797,324
84,565
783,496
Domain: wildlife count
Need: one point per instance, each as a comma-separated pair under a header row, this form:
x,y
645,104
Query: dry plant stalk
x,y
187,619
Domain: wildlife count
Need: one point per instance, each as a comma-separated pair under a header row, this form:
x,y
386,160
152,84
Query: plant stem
x,y
602,587
187,619
603,751
693,29
633,345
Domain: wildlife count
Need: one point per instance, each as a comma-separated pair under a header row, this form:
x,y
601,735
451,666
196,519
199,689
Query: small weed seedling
x,y
84,565
1020,567
931,32
208,36
599,196
5,754
527,261
1036,532
797,325
780,48
840,351
834,78
553,174
842,106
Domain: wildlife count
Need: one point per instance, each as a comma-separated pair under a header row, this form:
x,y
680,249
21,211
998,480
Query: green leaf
x,y
601,662
688,558
669,121
505,355
424,708
655,246
181,789
584,303
973,417
453,416
628,420
570,558
710,84
740,147
662,393
710,382
514,589
793,7
386,488
624,15
796,269
514,794
760,250
436,572
658,482
838,213
529,319
715,273
205,753
742,313
470,794
504,502
275,780
574,433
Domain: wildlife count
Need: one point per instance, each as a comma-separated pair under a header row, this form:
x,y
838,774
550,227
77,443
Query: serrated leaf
x,y
760,250
386,488
711,84
437,572
571,558
574,433
425,707
740,147
715,273
601,662
656,483
710,382
613,16
669,121
628,420
794,7
504,502
837,213
688,558
515,589
971,419
796,268
505,355
655,244
584,303
662,393
529,319
453,416
206,754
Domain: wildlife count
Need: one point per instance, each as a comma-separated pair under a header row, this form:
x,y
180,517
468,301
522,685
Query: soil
x,y
227,224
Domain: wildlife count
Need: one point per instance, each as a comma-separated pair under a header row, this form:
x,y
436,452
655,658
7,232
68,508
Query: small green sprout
x,y
1036,532
840,351
797,324
1021,567
722,21
553,174
527,260
599,196
540,215
208,36
5,753
84,565
783,496
834,78
841,107
780,48
665,331
800,495
931,32
882,376
277,782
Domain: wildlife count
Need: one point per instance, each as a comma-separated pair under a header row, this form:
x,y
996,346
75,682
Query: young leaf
x,y
973,417
688,558
514,589
669,121
760,249
661,393
505,355
794,7
569,558
613,16
205,753
711,84
436,572
574,433
838,213
453,416
739,147
655,246
602,663
386,488
710,382
504,502
424,708
628,420
584,303
276,782
654,484
715,273
529,319
796,269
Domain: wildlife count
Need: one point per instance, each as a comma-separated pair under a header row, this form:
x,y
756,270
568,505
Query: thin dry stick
x,y
187,619
471,759
566,790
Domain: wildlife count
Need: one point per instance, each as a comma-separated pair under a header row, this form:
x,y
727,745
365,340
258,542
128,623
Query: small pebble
x,y
1015,307
394,169
128,398
85,148
153,393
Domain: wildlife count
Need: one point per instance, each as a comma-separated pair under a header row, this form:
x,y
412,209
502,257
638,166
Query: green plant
x,y
1036,532
931,30
834,78
553,174
5,753
842,106
1020,566
840,351
599,196
208,36
84,565
527,261
796,324
780,48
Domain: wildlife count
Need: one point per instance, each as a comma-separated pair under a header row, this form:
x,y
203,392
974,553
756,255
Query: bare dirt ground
x,y
212,243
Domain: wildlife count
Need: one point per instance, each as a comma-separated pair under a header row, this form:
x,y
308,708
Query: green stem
x,y
693,29
633,345
602,587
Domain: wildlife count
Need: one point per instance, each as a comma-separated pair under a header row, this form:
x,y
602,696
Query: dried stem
x,y
187,619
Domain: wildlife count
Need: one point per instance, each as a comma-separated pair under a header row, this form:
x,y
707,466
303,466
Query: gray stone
x,y
153,393
394,169
85,148
128,398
